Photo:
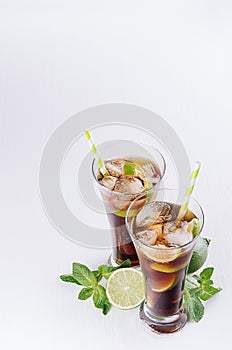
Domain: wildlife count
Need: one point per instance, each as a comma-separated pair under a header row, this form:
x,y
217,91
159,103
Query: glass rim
x,y
155,247
132,194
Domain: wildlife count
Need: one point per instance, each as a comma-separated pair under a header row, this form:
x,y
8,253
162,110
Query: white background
x,y
58,57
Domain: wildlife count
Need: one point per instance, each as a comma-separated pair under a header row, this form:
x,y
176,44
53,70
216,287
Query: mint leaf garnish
x,y
106,307
126,263
206,273
98,275
196,292
83,275
69,278
99,297
207,292
194,306
107,270
85,293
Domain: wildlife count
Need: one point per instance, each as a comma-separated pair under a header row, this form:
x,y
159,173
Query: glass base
x,y
112,262
164,325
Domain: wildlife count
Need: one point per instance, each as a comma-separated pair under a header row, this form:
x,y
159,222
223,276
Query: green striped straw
x,y
96,154
189,191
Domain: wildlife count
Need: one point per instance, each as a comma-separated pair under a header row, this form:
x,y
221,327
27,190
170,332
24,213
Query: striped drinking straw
x,y
189,191
96,154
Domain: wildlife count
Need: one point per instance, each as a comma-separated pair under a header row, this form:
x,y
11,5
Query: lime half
x,y
125,288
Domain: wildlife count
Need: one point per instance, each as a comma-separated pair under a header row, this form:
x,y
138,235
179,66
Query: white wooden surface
x,y
58,57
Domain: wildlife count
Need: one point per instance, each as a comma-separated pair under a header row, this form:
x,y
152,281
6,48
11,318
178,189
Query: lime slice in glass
x,y
162,282
194,226
129,168
161,253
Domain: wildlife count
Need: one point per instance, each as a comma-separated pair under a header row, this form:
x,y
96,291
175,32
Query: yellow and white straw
x,y
189,191
96,154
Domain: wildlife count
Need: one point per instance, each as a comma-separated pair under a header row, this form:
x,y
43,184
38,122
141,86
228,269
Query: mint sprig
x,y
83,276
196,292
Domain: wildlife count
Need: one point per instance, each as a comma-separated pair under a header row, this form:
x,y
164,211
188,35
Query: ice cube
x,y
115,167
169,227
108,182
162,211
145,217
147,237
148,172
154,213
178,238
129,184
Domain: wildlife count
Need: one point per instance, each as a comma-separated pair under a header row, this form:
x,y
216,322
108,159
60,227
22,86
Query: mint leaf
x,y
195,292
194,306
106,307
107,270
129,168
69,278
101,300
126,263
196,309
99,296
207,292
97,275
206,273
85,293
208,282
83,275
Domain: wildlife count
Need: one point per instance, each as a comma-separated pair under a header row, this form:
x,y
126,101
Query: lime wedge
x,y
122,213
194,226
129,168
166,268
125,288
161,283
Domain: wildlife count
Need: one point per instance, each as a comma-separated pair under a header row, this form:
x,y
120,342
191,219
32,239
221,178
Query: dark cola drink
x,y
124,247
164,243
165,281
126,179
